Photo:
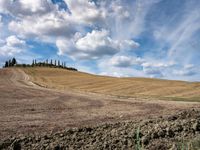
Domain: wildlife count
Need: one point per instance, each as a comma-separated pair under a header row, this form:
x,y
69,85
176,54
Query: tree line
x,y
10,63
47,63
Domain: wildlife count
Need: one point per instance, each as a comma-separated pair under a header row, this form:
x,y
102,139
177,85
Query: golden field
x,y
121,87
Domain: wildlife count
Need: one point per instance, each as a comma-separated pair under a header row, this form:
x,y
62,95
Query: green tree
x,y
33,63
14,62
55,63
58,63
9,63
6,64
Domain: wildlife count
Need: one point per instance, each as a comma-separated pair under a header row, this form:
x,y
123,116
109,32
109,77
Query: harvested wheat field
x,y
40,103
121,87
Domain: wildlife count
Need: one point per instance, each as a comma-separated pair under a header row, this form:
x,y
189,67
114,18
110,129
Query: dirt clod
x,y
154,134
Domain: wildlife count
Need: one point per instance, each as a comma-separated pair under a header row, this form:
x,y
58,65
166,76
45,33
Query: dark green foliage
x,y
57,64
33,63
6,64
13,62
10,63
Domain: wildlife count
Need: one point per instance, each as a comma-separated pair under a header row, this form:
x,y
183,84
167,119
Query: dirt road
x,y
27,108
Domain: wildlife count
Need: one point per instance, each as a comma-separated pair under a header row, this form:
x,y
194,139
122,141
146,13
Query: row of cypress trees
x,y
52,63
10,63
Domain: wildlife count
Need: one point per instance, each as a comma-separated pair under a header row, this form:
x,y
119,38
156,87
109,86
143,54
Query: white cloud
x,y
184,72
24,8
9,51
179,36
153,72
127,20
158,64
158,68
97,42
93,45
1,22
85,11
105,67
48,25
12,45
189,66
119,10
129,44
121,61
125,61
13,41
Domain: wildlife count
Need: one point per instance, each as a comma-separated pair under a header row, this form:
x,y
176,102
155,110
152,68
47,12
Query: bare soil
x,y
27,108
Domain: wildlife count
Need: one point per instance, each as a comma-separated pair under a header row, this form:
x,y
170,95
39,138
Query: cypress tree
x,y
33,63
6,64
9,63
55,63
14,62
58,63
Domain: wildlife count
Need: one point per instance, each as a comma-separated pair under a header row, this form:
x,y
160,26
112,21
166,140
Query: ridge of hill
x,y
121,87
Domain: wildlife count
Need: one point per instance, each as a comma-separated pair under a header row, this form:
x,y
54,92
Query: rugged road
x,y
27,108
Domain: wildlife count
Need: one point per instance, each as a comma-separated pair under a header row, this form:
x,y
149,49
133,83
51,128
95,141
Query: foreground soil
x,y
172,132
35,116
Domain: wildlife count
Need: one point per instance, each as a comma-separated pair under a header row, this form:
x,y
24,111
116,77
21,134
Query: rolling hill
x,y
121,87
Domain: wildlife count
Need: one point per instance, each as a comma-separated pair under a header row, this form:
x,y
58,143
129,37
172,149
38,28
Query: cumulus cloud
x,y
12,45
119,66
14,41
157,68
52,25
129,44
93,45
24,8
153,72
85,11
121,61
125,61
97,41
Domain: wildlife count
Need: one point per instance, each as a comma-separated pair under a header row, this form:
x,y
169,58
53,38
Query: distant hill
x,y
122,87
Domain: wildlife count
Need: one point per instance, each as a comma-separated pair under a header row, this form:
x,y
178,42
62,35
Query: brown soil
x,y
27,108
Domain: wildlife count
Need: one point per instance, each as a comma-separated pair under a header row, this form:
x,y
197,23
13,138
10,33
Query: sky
x,y
122,38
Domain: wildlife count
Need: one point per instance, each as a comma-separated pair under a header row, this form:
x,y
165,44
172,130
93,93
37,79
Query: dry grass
x,y
123,87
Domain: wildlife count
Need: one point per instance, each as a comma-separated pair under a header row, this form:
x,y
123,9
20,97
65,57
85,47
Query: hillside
x,y
34,117
121,87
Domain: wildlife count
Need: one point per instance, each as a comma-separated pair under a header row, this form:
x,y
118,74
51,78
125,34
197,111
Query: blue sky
x,y
123,38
